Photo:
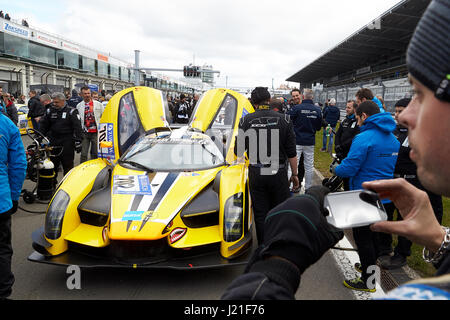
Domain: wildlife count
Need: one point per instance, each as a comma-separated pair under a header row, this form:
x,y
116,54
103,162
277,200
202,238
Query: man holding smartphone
x,y
406,169
372,156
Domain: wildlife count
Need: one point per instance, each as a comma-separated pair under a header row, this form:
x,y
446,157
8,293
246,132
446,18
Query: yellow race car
x,y
157,196
24,122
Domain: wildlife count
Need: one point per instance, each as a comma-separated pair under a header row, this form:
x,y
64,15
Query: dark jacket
x,y
11,112
344,136
74,100
404,166
61,124
267,120
182,112
331,115
307,120
35,108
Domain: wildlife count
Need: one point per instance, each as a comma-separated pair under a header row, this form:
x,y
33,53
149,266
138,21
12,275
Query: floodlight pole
x,y
136,68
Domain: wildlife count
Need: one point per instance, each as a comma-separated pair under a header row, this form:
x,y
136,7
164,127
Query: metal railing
x,y
389,94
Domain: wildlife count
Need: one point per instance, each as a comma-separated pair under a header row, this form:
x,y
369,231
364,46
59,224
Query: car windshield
x,y
174,151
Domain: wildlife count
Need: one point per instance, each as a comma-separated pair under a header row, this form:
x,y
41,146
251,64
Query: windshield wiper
x,y
211,153
136,165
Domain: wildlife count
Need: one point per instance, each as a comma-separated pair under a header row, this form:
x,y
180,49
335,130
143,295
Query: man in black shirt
x,y
344,136
269,140
62,125
35,109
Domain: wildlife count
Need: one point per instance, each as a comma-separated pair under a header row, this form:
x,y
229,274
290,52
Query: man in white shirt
x,y
90,113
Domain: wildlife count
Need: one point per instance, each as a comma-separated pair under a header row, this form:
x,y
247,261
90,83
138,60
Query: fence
x,y
390,95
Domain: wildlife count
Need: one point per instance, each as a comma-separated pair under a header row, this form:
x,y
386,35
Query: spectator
x,y
13,166
94,95
296,99
331,116
107,98
194,101
344,136
307,120
372,156
406,169
11,109
380,98
46,101
2,15
427,63
75,99
366,94
2,102
25,23
276,105
35,109
21,99
90,112
274,271
7,17
182,113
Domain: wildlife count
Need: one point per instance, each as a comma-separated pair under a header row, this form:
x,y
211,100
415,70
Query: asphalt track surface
x,y
36,281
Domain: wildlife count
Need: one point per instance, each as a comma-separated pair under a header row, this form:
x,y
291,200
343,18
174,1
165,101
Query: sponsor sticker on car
x,y
132,215
105,145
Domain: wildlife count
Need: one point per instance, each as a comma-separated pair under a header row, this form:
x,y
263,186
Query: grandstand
x,y
373,57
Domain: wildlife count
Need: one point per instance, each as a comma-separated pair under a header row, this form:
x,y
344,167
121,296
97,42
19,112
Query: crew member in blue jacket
x,y
373,155
307,120
331,116
13,167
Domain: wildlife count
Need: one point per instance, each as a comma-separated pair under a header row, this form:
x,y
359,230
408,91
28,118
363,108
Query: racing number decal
x,y
125,182
132,185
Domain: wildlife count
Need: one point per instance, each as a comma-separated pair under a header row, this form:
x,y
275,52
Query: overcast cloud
x,y
250,41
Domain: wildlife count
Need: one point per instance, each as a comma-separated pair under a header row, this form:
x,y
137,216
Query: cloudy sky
x,y
250,41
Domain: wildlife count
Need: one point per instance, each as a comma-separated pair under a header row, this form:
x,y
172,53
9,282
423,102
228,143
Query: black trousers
x,y
404,245
6,252
266,191
368,251
66,157
301,168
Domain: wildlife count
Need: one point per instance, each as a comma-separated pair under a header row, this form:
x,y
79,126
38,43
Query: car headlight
x,y
55,215
233,215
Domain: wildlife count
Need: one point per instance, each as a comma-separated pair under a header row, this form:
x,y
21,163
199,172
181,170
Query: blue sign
x,y
132,215
16,30
93,87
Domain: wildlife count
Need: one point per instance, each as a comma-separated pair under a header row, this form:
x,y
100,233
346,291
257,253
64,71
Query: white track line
x,y
346,261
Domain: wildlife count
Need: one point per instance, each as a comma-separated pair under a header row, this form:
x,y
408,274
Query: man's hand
x,y
333,167
419,223
297,231
295,182
77,146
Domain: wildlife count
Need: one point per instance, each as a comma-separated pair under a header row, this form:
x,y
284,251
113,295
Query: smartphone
x,y
353,209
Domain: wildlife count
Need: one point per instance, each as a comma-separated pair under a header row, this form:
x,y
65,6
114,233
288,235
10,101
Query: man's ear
x,y
364,116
